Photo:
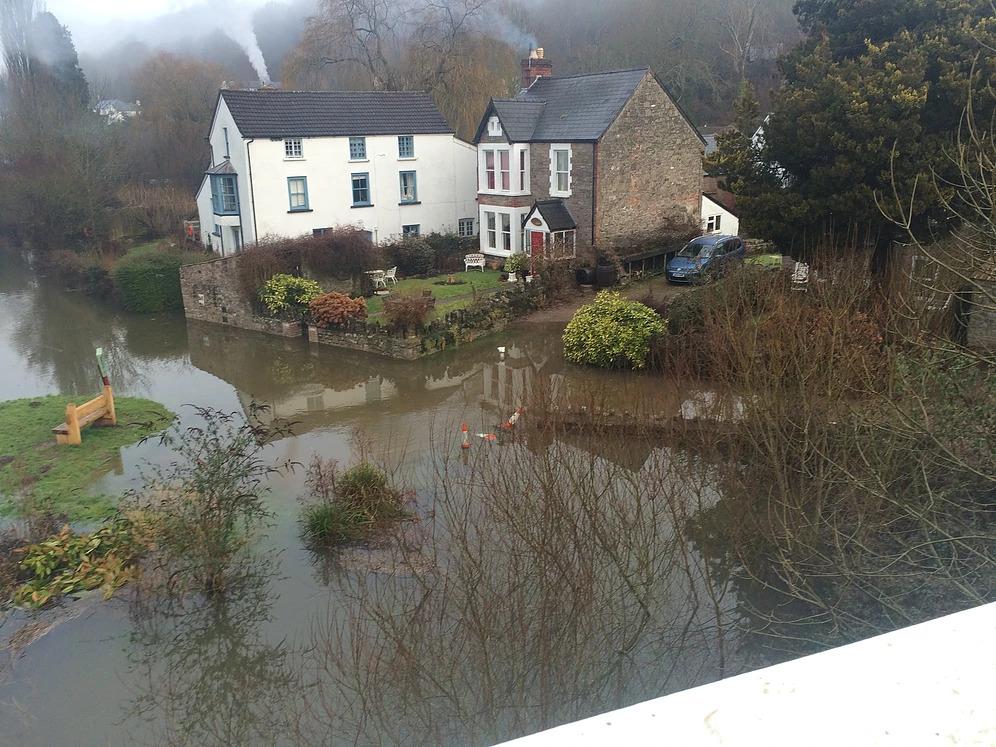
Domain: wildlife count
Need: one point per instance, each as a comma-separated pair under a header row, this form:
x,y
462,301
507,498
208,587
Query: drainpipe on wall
x,y
594,190
252,195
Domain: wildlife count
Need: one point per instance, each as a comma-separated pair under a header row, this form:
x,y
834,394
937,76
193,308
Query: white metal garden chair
x,y
391,275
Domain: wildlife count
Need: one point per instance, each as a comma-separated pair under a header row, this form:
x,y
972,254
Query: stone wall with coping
x,y
369,340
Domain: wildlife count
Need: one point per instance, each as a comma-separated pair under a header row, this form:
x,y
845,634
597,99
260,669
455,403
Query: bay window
x,y
224,195
489,168
490,219
506,182
506,232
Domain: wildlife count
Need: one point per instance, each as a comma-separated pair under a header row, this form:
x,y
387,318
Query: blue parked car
x,y
703,257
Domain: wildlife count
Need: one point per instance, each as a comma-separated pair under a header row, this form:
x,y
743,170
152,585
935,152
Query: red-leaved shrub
x,y
404,312
336,309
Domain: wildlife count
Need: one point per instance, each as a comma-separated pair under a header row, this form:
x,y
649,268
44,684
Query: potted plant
x,y
517,265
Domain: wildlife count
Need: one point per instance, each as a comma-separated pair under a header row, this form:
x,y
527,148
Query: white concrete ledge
x,y
929,684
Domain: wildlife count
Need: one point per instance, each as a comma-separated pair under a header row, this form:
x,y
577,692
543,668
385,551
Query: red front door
x,y
536,244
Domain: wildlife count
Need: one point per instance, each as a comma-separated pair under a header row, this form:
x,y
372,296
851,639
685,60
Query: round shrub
x,y
289,295
612,332
150,282
336,309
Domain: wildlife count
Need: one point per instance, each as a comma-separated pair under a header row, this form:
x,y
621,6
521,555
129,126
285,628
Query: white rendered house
x,y
717,218
292,163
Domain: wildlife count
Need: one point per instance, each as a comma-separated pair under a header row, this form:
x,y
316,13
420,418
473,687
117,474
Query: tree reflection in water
x,y
554,584
209,675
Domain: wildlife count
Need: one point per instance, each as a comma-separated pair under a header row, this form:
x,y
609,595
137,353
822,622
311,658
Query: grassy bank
x,y
35,471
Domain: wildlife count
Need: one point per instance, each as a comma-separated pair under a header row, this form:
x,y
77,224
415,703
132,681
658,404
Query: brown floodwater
x,y
308,648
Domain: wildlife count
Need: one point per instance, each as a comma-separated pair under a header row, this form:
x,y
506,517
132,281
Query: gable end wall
x,y
649,169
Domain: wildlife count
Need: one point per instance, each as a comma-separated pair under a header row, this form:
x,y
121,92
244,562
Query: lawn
x,y
32,466
448,297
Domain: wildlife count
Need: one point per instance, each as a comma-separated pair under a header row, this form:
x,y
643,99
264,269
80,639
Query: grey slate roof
x,y
279,114
556,214
579,107
223,168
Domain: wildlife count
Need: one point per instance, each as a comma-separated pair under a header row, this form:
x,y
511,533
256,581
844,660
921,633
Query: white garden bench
x,y
473,260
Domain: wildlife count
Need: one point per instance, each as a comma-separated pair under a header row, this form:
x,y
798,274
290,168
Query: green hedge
x,y
148,283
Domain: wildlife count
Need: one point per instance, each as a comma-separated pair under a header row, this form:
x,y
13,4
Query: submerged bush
x,y
336,309
67,562
210,498
348,506
611,331
289,295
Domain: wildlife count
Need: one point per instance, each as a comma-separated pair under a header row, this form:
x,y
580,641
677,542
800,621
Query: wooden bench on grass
x,y
98,411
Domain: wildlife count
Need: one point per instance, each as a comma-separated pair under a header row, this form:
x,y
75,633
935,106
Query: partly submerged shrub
x,y
67,562
289,295
611,331
347,506
336,309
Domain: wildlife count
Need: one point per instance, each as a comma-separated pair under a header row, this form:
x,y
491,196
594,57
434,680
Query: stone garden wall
x,y
212,293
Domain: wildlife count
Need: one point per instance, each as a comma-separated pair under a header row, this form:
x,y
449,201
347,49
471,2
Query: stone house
x,y
604,160
292,163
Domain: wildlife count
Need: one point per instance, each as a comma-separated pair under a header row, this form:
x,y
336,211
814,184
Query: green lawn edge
x,y
451,296
34,467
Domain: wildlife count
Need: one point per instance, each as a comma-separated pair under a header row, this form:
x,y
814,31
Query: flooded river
x,y
477,639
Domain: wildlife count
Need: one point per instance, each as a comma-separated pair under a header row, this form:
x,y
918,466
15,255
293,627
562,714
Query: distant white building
x,y
717,218
116,110
290,163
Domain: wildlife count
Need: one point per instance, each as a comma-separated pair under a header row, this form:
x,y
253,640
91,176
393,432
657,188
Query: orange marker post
x,y
466,436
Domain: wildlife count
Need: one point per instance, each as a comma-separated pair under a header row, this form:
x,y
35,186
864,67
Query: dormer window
x,y
293,148
494,127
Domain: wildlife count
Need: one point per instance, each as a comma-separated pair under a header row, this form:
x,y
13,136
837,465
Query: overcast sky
x,y
98,23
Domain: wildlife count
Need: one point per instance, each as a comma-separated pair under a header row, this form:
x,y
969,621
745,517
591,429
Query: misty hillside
x,y
701,50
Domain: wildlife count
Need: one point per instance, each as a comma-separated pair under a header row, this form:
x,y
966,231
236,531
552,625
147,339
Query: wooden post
x,y
111,416
73,423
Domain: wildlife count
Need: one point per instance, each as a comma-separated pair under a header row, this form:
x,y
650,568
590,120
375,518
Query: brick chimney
x,y
535,66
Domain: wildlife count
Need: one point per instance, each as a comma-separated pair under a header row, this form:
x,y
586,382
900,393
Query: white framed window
x,y
357,149
413,229
297,191
713,223
505,177
489,168
406,146
506,231
523,171
491,220
293,148
465,227
409,187
494,127
496,168
560,170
